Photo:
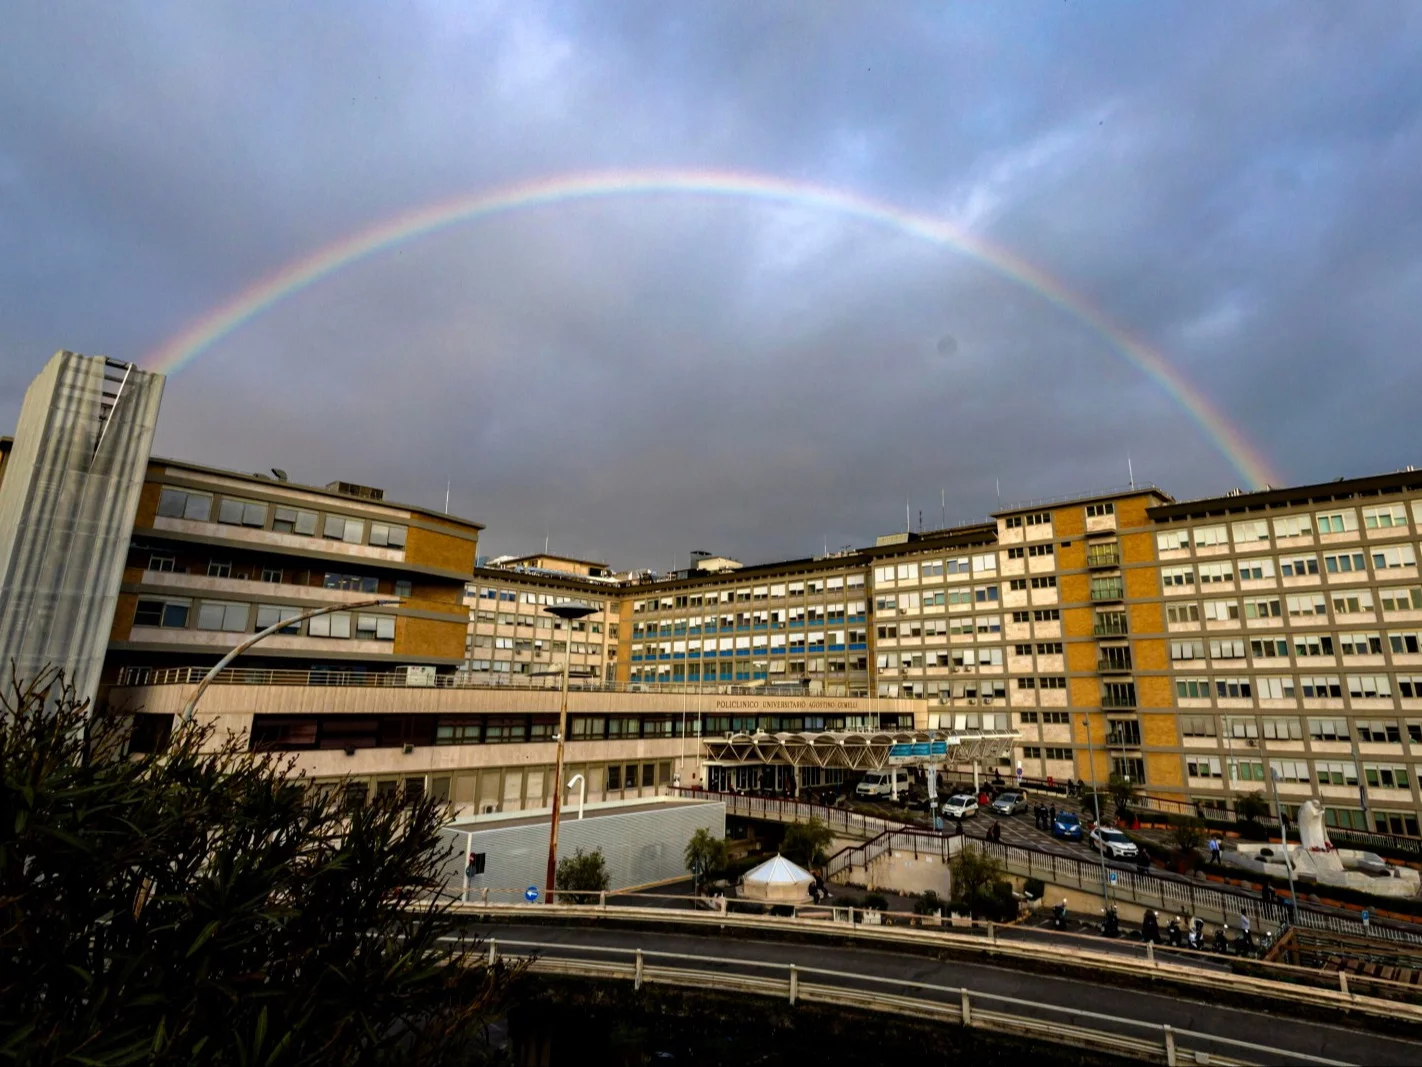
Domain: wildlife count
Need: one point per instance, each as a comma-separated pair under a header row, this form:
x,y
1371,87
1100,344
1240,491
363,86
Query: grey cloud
x,y
637,378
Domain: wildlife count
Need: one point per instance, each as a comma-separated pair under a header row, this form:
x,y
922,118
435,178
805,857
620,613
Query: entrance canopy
x,y
860,751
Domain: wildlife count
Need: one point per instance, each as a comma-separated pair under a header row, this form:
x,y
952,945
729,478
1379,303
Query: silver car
x,y
1009,803
1113,843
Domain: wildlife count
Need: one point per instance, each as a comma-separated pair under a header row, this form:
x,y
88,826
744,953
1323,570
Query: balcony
x,y
1114,661
1112,625
1119,697
1108,589
1098,556
1124,739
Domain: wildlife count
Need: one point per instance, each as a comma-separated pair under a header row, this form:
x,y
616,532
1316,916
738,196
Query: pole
x,y
551,876
1284,843
1096,803
1362,779
191,706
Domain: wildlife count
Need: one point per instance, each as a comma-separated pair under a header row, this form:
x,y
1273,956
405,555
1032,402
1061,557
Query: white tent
x,y
777,881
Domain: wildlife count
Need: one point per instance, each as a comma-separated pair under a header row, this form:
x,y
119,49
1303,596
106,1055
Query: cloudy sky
x,y
1239,186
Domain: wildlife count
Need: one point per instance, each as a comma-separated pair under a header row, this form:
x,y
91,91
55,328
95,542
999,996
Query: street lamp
x,y
260,635
1284,841
1096,802
568,612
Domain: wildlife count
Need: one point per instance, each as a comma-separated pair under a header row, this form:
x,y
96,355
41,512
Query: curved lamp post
x,y
567,612
191,706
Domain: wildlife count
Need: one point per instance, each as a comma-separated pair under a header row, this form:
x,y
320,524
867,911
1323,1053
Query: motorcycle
x,y
1222,940
1059,916
1173,932
1196,937
1150,928
1111,923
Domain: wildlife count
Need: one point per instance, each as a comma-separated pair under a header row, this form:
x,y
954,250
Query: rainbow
x,y
560,189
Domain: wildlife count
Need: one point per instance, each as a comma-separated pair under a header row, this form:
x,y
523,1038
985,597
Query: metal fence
x,y
782,809
1120,1035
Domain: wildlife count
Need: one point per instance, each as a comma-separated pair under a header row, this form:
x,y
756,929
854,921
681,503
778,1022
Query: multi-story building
x,y
1197,648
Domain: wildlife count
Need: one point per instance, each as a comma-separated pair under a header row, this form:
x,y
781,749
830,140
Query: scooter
x,y
1244,944
1059,916
1197,934
1111,923
1222,940
1150,928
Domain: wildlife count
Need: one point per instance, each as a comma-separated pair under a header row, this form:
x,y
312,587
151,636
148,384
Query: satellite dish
x,y
280,474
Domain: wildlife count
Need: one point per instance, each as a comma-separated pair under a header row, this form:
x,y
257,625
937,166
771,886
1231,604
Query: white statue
x,y
1313,839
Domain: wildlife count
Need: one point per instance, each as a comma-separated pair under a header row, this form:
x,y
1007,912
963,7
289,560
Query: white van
x,y
881,783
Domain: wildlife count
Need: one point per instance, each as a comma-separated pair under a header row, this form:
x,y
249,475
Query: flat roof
x,y
569,812
1096,495
1269,497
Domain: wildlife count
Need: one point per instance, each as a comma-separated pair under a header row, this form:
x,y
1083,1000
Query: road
x,y
1050,994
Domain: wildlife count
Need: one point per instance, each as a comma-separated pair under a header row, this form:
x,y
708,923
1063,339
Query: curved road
x,y
1052,994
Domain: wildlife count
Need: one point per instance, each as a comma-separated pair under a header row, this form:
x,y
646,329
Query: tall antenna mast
x,y
1131,471
943,505
446,496
908,515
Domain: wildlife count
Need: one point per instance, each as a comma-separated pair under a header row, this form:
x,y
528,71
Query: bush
x,y
1122,791
979,888
584,872
706,855
1251,807
1035,888
204,905
1188,836
876,901
928,904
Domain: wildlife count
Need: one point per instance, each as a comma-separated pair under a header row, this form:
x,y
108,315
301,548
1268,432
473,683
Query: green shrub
x,y
1034,887
805,842
876,901
583,872
928,904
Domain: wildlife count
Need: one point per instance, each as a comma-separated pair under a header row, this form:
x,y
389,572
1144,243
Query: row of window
x,y
1288,728
1300,645
1323,772
1309,687
1034,752
509,596
1300,605
233,511
748,594
1250,532
541,622
177,613
1392,558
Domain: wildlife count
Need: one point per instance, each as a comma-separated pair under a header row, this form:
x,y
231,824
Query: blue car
x,y
1067,826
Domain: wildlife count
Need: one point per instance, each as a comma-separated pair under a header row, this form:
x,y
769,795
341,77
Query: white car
x,y
1113,843
960,806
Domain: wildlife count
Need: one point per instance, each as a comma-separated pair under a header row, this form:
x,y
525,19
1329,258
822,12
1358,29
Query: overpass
x,y
1051,988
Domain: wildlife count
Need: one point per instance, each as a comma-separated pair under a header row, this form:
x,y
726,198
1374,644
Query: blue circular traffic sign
x,y
531,894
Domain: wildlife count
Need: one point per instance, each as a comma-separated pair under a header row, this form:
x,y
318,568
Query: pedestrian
x,y
1052,815
1214,851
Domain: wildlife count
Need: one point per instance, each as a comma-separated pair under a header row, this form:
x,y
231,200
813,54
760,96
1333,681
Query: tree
x,y
805,842
584,872
1251,807
1122,791
979,888
205,905
706,855
1188,835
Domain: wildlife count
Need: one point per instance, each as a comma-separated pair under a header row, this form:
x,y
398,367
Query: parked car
x,y
1009,803
960,806
1067,826
881,783
1113,843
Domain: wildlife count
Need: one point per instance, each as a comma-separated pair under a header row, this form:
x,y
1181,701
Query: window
x,y
1041,518
1256,569
405,588
1352,603
1387,559
1187,650
1328,729
1037,551
1017,585
1177,577
1235,688
271,614
1172,540
1381,777
1047,615
1307,604
1203,767
161,564
1263,608
1275,688
987,594
382,533
1194,689
1401,599
1313,645
1229,648
1370,687
1291,770
1282,730
1050,648
1045,582
338,624
1197,725
221,615
1379,732
1250,531
1298,566
181,504
242,512
1016,553
1182,612
1328,772
356,583
1058,753
1337,521
1209,536
1345,562
1294,526
1269,648
1322,687
1216,572
273,575
1221,610
168,614
1384,516
219,568
1369,644
1052,681
340,528
1096,511
375,627
1012,523
294,521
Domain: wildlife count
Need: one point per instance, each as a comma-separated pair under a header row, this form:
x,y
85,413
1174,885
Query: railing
x,y
919,842
150,676
956,1004
1173,894
1108,592
1114,666
1103,559
1111,629
1071,498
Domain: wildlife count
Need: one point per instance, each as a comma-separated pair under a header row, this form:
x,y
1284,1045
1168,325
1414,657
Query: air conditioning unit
x,y
987,700
973,701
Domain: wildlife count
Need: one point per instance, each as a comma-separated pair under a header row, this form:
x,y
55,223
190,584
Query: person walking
x,y
1214,850
1051,816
